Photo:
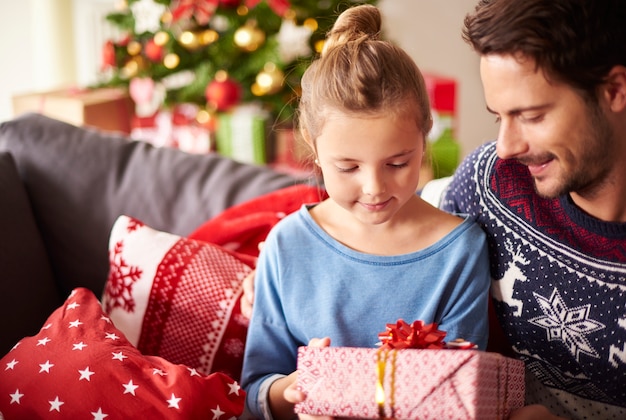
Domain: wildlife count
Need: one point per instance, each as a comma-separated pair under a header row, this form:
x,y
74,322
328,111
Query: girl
x,y
374,251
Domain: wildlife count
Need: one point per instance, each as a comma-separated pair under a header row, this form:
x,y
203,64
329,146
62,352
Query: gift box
x,y
109,109
244,134
444,150
409,383
177,127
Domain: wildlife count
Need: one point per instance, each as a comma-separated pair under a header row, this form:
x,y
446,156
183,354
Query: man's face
x,y
547,126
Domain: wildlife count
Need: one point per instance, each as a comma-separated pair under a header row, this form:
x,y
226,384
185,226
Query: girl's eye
x,y
351,169
498,119
399,165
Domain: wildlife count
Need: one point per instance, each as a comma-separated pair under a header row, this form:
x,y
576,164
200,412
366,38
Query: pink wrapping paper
x,y
417,384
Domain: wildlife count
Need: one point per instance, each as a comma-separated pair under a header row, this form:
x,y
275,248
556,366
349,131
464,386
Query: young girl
x,y
373,252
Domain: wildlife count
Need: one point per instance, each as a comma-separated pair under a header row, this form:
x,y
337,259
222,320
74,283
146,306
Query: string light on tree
x,y
249,37
269,81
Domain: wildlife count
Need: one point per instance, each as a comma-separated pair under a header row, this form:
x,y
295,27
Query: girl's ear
x,y
308,140
615,90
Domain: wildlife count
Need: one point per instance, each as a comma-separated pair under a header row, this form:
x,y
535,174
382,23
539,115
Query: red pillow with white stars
x,y
80,366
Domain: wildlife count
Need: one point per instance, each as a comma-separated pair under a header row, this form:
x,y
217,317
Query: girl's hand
x,y
294,395
247,298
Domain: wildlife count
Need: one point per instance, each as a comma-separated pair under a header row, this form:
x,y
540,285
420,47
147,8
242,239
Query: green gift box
x,y
244,135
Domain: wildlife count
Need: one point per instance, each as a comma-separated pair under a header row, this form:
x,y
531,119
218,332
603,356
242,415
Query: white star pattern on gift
x,y
569,325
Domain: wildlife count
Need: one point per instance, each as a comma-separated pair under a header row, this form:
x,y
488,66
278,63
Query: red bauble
x,y
153,51
230,3
108,55
223,93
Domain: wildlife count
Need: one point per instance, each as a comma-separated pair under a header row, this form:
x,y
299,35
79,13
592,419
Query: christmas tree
x,y
216,54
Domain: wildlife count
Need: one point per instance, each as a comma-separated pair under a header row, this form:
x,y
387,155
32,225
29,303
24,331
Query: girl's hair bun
x,y
356,23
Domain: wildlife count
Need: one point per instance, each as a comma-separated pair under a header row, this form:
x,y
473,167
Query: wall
x,y
38,44
430,31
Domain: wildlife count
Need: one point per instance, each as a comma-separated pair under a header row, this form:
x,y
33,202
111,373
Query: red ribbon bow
x,y
279,7
416,335
200,10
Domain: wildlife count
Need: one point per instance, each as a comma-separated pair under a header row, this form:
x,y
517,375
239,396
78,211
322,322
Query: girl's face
x,y
370,164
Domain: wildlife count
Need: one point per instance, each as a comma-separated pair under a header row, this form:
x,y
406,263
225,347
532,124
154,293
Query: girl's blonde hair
x,y
358,72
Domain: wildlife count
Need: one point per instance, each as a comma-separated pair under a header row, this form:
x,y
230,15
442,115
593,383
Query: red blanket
x,y
241,228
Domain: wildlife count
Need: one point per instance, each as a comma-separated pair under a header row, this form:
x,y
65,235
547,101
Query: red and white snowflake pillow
x,y
177,298
80,365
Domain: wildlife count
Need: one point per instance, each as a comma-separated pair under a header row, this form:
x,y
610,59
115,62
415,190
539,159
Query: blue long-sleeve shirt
x,y
308,285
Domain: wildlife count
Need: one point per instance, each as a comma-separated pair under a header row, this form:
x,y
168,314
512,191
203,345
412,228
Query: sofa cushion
x,y
26,283
80,180
177,298
80,365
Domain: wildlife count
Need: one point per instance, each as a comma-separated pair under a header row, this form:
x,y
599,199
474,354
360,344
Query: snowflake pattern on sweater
x,y
558,283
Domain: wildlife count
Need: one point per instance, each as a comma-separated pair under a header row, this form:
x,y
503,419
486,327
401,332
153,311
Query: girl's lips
x,y
375,206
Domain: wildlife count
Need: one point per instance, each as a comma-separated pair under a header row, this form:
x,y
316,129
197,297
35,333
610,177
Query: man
x,y
551,195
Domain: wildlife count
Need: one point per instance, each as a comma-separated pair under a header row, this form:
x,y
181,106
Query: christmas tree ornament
x,y
319,46
311,23
293,41
153,51
171,60
133,67
231,4
270,80
147,15
249,37
207,119
161,38
223,92
208,36
189,40
134,48
108,55
147,95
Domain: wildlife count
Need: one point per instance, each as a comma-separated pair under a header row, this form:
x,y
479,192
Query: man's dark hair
x,y
573,41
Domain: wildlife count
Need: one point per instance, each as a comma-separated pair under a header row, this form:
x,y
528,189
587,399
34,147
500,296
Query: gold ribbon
x,y
382,356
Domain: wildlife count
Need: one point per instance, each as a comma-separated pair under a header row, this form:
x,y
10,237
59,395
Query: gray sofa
x,y
62,187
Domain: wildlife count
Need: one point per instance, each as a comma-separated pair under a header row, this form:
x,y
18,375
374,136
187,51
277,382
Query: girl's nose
x,y
373,183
